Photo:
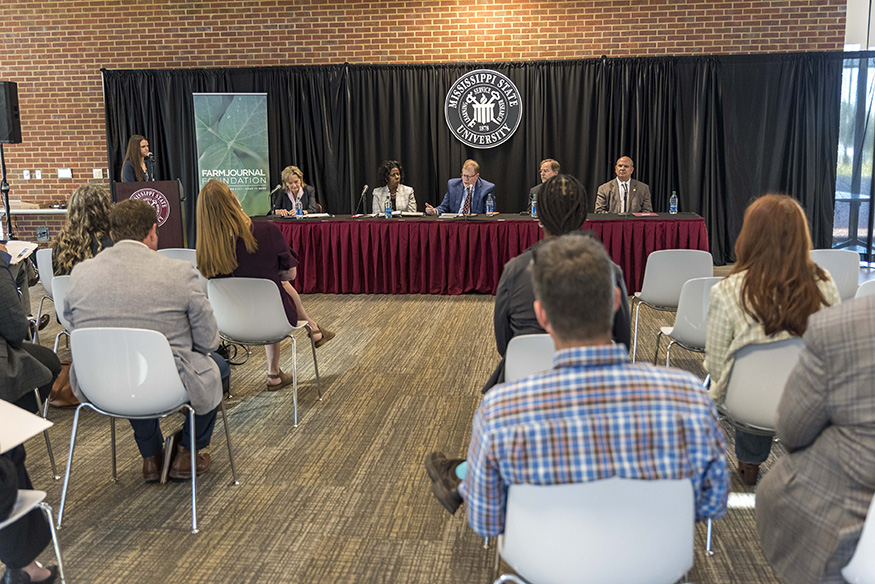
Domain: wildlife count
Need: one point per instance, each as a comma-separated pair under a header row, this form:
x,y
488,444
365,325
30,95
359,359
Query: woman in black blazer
x,y
283,201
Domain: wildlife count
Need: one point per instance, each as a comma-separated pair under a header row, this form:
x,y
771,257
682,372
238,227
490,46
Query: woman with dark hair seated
x,y
772,290
138,165
86,232
390,175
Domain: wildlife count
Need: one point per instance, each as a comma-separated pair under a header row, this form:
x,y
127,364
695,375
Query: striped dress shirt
x,y
594,416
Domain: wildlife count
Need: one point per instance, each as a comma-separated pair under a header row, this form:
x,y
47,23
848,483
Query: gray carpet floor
x,y
342,498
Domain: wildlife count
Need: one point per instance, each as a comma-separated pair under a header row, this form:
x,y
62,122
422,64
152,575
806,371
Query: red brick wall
x,y
54,49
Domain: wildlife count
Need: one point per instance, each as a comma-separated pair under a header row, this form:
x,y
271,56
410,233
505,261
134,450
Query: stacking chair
x,y
844,267
528,354
689,323
46,273
861,568
866,289
610,530
664,276
189,255
27,501
131,373
756,383
249,311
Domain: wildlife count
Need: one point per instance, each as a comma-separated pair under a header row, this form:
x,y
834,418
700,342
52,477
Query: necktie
x,y
624,202
466,208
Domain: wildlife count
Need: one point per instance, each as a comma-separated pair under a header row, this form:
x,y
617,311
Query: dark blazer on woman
x,y
128,174
281,200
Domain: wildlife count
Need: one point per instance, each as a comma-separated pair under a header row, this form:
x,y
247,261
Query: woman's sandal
x,y
327,335
285,379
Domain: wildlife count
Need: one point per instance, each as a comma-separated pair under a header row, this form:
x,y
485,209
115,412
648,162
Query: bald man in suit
x,y
623,194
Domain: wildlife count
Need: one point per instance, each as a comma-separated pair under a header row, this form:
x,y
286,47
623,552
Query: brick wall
x,y
54,49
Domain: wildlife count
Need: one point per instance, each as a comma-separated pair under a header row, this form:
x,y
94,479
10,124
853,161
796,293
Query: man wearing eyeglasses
x,y
465,195
548,168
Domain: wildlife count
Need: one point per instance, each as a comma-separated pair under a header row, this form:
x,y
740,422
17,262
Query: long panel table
x,y
452,256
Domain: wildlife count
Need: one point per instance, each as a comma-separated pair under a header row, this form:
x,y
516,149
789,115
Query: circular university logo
x,y
157,200
483,108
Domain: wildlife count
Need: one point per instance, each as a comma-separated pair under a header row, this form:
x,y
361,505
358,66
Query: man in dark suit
x,y
465,195
549,167
623,194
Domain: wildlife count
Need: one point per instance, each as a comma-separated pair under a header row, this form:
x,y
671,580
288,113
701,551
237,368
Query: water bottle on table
x,y
673,203
534,206
387,207
490,204
299,210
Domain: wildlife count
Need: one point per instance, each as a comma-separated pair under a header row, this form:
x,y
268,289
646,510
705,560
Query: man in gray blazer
x,y
623,194
130,285
811,505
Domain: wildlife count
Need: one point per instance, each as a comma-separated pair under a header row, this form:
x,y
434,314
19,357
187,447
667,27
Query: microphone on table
x,y
361,198
270,198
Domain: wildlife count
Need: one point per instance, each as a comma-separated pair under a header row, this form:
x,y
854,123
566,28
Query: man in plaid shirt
x,y
593,416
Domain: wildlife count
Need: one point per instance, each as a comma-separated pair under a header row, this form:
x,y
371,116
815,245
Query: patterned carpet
x,y
342,498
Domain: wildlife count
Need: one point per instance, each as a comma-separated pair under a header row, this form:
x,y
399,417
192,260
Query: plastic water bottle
x,y
387,207
299,210
534,206
673,203
490,204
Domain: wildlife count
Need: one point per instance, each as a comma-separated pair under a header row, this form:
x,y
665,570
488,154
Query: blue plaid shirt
x,y
594,416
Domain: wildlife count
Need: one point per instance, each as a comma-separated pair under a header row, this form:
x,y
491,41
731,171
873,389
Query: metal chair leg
x,y
635,339
48,511
114,478
668,354
39,406
69,464
228,440
656,353
193,453
708,540
315,364
295,377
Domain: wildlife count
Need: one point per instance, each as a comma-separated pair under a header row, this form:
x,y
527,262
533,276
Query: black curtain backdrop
x,y
717,129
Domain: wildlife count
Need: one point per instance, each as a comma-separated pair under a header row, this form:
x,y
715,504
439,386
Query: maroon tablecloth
x,y
453,256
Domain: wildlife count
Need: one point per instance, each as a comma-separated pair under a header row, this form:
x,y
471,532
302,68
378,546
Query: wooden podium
x,y
164,196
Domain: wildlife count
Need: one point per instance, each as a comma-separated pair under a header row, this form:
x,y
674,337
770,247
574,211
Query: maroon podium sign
x,y
164,196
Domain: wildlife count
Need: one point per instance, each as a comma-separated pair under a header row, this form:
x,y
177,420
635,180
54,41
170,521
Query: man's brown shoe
x,y
152,468
181,467
445,483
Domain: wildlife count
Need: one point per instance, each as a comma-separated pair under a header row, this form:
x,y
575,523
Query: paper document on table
x,y
18,425
19,249
316,215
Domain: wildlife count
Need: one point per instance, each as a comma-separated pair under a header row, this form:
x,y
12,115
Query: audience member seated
x,y
624,194
86,232
652,422
562,208
811,505
466,194
548,169
294,189
771,291
131,285
138,165
22,541
229,243
390,175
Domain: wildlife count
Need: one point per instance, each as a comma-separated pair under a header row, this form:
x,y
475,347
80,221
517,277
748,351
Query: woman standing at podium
x,y
229,243
139,162
390,175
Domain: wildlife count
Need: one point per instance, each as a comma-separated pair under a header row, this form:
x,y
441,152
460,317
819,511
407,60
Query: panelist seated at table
x,y
623,194
465,195
390,175
549,168
282,202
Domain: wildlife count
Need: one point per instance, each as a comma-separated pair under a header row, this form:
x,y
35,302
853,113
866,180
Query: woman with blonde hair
x,y
229,243
87,229
294,189
771,291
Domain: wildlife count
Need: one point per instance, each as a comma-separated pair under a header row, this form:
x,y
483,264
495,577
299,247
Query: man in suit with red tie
x,y
466,194
623,194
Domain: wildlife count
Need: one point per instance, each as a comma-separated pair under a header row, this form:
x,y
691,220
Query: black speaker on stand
x,y
10,133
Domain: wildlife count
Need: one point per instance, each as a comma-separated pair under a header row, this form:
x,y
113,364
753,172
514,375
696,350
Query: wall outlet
x,y
25,174
97,173
65,173
37,174
42,233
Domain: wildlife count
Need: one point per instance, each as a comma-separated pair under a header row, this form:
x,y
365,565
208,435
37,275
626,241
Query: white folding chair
x,y
844,267
528,354
609,531
59,292
46,273
131,373
867,288
249,311
189,255
689,323
756,383
861,568
27,501
664,276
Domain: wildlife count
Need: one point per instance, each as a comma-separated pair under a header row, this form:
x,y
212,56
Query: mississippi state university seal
x,y
157,200
483,108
